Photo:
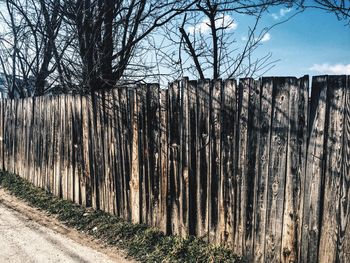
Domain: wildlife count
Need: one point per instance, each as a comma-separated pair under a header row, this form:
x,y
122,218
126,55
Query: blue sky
x,y
313,42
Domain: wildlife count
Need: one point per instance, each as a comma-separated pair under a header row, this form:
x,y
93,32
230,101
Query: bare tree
x,y
110,35
341,8
207,44
33,27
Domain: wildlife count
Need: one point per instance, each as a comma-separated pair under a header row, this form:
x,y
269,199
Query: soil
x,y
28,234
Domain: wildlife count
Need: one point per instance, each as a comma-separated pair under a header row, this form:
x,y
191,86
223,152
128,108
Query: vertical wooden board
x,y
29,139
117,162
99,157
289,250
2,133
343,240
3,127
17,137
6,134
214,182
86,194
314,171
184,159
104,145
43,142
125,149
64,147
119,177
203,165
164,155
92,146
109,149
23,139
153,127
228,128
265,117
36,142
9,135
51,131
135,161
303,110
192,157
328,247
253,164
95,114
242,164
67,148
174,158
57,148
277,171
142,95
70,147
38,145
79,185
13,134
23,136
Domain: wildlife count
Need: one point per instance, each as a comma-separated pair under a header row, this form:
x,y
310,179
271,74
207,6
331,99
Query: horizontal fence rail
x,y
259,165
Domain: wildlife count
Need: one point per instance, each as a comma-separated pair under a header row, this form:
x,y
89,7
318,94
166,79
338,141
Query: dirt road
x,y
29,235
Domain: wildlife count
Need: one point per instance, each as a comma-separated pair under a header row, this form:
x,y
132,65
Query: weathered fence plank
x,y
343,239
253,159
174,158
277,169
263,169
164,155
329,227
314,171
214,181
135,193
228,157
203,168
242,164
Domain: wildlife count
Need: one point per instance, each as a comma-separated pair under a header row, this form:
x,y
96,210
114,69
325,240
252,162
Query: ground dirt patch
x,y
139,241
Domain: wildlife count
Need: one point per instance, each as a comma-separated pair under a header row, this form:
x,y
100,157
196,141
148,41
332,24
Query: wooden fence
x,y
258,166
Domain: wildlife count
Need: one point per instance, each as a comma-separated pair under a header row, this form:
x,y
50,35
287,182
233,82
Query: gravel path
x,y
23,240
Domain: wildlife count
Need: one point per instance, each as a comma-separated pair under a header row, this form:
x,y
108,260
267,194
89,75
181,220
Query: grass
x,y
140,242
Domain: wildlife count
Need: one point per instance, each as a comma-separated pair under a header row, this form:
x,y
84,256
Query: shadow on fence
x,y
260,166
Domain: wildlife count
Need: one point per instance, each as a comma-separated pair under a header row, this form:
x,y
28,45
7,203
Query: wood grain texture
x,y
174,158
135,162
253,161
215,180
263,169
228,127
343,240
329,228
314,171
203,168
277,170
260,167
242,165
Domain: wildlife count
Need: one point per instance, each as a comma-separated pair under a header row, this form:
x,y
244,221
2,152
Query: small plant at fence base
x,y
139,241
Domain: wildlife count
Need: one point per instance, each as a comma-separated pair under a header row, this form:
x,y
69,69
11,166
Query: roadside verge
x,y
139,241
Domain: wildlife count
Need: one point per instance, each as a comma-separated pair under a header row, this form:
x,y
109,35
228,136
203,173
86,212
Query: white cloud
x,y
266,37
326,68
281,13
223,21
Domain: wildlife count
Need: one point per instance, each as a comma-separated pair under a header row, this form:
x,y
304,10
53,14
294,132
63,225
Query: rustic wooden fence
x,y
260,166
